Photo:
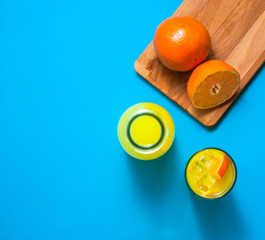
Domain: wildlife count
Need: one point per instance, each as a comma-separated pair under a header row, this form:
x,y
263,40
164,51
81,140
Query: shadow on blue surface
x,y
153,180
220,218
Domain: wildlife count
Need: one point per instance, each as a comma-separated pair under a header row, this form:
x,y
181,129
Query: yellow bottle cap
x,y
145,131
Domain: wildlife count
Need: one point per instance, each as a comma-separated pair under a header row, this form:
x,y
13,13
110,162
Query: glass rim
x,y
137,115
232,160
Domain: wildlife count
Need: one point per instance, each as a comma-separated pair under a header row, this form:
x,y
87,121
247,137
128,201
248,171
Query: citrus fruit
x,y
219,168
212,83
181,43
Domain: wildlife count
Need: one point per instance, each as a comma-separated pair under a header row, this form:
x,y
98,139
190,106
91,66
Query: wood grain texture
x,y
237,30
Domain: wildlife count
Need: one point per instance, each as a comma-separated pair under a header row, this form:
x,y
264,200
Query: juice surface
x,y
201,176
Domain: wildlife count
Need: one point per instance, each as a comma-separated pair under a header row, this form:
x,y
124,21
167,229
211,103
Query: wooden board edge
x,y
252,71
141,70
218,114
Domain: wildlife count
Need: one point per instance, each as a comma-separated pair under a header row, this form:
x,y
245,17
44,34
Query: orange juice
x,y
211,173
146,131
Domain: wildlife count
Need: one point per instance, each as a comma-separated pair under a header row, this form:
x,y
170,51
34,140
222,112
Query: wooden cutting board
x,y
237,30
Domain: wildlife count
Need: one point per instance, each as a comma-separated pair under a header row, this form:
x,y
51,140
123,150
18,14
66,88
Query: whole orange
x,y
181,43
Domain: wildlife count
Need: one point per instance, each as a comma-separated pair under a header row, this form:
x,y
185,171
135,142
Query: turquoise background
x,y
66,77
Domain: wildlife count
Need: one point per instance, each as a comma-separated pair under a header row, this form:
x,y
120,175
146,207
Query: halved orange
x,y
212,83
219,168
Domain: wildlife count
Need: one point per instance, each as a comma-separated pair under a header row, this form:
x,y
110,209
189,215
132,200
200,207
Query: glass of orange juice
x,y
211,173
146,131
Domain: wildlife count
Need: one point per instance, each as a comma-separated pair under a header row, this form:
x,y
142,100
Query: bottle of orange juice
x,y
211,173
146,131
